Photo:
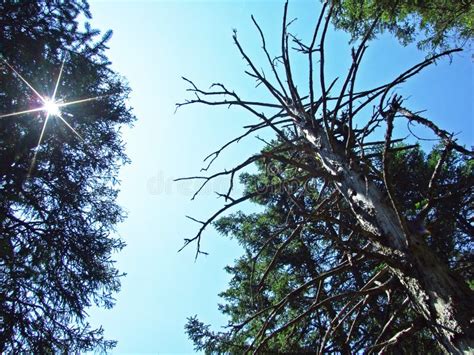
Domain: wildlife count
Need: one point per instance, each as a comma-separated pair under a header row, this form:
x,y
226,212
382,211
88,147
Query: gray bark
x,y
437,293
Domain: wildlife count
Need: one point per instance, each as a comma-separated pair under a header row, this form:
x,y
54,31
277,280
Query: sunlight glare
x,y
51,108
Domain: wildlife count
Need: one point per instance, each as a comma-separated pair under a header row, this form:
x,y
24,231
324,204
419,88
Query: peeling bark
x,y
437,293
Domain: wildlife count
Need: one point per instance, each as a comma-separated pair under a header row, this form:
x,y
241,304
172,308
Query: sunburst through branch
x,y
50,106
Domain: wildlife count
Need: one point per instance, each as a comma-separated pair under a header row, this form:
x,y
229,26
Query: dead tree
x,y
321,128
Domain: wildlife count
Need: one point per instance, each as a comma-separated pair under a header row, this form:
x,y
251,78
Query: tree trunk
x,y
437,293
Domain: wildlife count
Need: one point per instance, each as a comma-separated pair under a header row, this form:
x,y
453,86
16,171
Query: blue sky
x,y
154,44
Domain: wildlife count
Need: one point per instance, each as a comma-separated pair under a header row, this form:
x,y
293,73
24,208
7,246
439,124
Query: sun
x,y
52,107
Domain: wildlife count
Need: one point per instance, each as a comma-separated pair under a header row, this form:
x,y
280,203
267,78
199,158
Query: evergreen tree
x,y
433,24
364,242
284,268
57,192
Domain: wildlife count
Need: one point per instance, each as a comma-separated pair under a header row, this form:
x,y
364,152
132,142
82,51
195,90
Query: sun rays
x,y
51,106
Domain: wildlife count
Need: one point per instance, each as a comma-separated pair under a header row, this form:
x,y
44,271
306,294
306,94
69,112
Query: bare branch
x,y
322,79
231,172
295,98
315,306
396,338
444,135
389,322
289,296
389,116
270,61
310,59
205,224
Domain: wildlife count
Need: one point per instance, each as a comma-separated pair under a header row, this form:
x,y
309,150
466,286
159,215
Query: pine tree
x,y
58,177
364,242
277,261
434,25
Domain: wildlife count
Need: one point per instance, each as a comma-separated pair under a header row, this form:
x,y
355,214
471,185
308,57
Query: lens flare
x,y
51,108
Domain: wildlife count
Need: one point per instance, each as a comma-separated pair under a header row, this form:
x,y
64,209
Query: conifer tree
x,y
365,243
58,177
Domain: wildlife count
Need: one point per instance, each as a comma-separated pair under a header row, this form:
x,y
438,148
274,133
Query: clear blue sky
x,y
154,44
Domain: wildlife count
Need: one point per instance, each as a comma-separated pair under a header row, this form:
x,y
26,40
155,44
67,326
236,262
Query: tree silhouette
x,y
58,177
352,252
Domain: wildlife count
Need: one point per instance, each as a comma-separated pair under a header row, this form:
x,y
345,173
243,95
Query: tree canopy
x,y
434,24
364,243
58,177
289,258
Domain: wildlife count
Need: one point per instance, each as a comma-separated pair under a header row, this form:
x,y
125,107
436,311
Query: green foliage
x,y
359,241
58,216
249,299
434,24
